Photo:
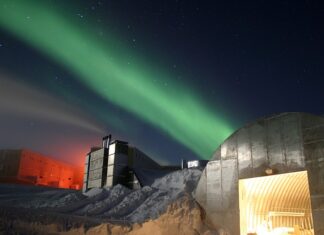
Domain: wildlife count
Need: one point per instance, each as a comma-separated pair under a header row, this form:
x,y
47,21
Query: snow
x,y
116,203
184,180
166,190
93,192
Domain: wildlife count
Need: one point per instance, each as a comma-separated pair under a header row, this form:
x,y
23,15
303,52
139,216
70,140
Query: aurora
x,y
103,66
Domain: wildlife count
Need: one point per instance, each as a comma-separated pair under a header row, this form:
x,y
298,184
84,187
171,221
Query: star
x,y
80,15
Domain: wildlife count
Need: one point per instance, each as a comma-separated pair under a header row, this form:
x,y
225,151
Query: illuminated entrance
x,y
277,204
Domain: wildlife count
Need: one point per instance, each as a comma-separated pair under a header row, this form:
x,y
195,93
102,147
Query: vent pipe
x,y
106,141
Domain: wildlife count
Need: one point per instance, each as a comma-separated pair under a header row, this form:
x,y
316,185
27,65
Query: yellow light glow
x,y
275,205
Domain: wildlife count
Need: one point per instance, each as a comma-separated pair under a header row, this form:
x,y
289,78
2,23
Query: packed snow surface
x,y
115,204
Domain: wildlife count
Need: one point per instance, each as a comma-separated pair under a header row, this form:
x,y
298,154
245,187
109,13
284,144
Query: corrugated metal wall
x,y
286,142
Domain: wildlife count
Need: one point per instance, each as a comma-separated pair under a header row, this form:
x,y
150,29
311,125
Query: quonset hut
x,y
268,178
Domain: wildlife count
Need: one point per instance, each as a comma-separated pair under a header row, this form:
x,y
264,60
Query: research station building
x,y
117,162
268,178
22,166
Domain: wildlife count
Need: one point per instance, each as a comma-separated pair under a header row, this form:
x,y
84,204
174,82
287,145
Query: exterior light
x,y
269,171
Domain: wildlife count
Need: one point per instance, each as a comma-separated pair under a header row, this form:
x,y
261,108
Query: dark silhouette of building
x,y
116,162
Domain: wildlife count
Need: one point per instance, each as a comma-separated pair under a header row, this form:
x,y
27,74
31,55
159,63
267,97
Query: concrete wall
x,y
285,143
97,168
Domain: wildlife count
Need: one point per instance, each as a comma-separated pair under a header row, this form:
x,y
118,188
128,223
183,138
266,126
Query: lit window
x,y
193,164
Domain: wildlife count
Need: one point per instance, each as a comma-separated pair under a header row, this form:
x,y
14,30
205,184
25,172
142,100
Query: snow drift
x,y
116,204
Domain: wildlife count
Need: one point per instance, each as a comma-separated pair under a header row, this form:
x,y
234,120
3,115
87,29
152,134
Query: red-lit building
x,y
28,167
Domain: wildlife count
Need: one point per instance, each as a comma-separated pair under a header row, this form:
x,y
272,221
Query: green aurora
x,y
104,68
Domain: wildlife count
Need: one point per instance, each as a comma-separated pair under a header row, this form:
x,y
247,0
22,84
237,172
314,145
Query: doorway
x,y
276,205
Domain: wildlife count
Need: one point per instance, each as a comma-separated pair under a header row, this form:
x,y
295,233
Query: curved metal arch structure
x,y
276,145
275,202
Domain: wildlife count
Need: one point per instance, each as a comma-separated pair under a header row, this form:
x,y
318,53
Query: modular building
x,y
116,162
28,167
268,178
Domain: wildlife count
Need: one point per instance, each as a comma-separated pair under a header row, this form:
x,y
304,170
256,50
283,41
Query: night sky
x,y
174,78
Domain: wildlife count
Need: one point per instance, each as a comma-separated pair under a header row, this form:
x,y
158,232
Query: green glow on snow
x,y
102,67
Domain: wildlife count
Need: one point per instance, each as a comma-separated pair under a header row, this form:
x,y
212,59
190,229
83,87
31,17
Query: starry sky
x,y
174,78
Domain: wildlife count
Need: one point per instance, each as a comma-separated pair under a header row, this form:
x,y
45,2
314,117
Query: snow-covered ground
x,y
105,204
